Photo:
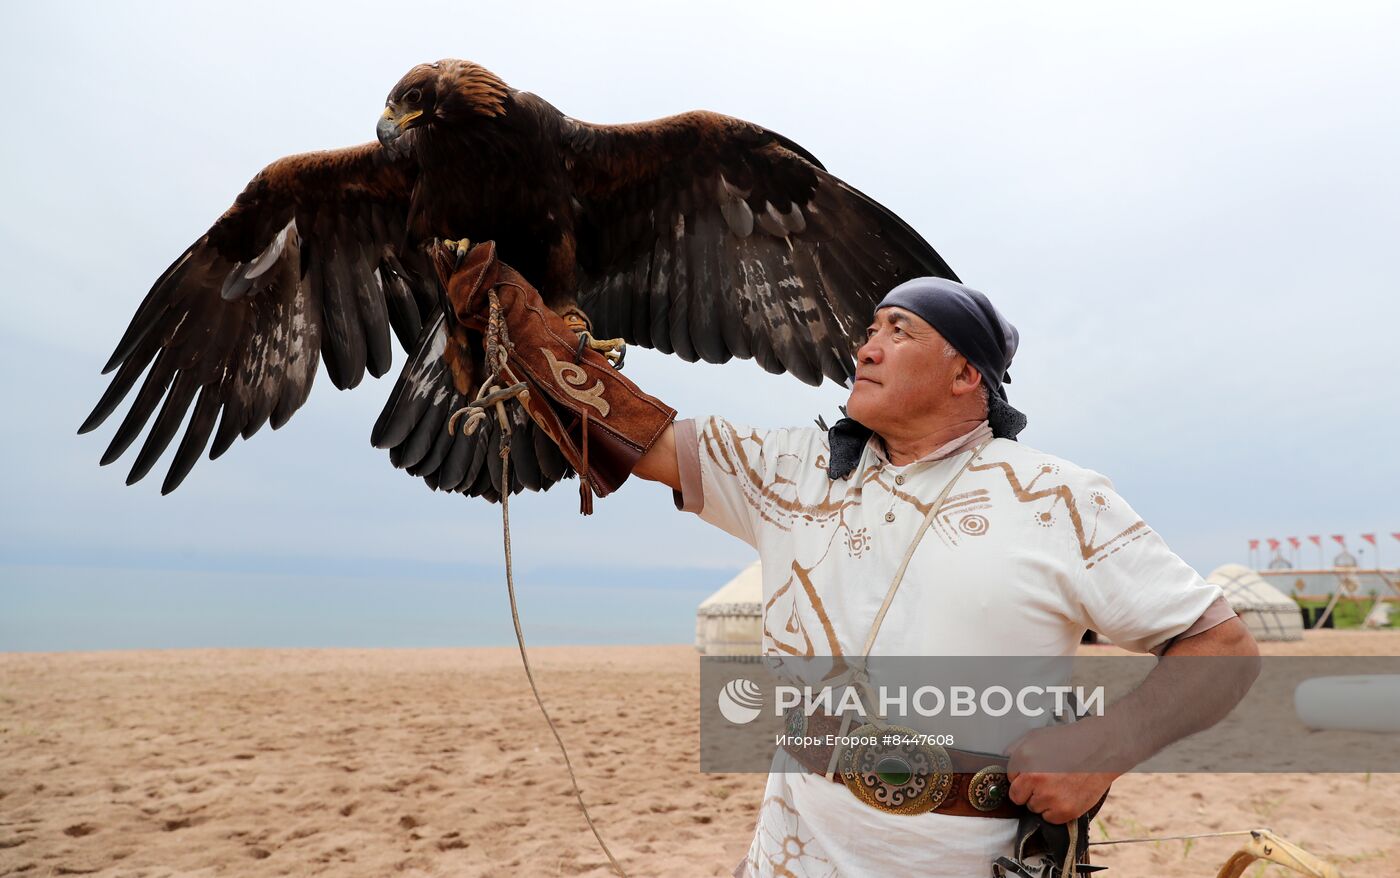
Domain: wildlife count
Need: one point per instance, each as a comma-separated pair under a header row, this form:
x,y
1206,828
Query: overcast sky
x,y
1191,213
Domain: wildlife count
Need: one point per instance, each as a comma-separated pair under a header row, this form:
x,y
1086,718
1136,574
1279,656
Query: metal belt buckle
x,y
893,770
795,722
988,788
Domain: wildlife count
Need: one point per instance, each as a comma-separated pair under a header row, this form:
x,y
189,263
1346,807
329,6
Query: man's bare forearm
x,y
1196,684
659,463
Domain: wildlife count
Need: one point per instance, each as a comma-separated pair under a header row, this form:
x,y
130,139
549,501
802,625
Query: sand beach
x,y
436,762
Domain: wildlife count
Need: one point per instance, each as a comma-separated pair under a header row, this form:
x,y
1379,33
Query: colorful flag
x,y
1341,540
1273,544
1316,541
1397,536
1293,541
1254,544
1370,538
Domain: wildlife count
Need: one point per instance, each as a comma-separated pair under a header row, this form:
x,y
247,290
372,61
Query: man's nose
x,y
868,352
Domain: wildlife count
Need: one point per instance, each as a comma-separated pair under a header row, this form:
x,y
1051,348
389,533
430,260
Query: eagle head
x,y
440,93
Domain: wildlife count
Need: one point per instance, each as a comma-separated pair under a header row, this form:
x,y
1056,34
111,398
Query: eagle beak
x,y
392,125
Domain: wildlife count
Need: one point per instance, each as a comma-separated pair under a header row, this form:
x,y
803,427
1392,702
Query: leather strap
x,y
965,767
909,553
856,675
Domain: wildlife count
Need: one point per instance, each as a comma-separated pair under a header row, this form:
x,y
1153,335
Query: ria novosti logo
x,y
740,701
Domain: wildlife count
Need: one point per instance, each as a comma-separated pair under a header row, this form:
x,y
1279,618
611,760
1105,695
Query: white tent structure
x,y
730,621
1267,612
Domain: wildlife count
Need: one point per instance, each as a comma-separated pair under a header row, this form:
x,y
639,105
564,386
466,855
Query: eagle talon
x,y
614,350
460,246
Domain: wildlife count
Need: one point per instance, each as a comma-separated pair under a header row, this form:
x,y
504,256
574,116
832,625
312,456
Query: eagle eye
x,y
414,95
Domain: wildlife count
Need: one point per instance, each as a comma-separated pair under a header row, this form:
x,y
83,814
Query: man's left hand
x,y
1074,750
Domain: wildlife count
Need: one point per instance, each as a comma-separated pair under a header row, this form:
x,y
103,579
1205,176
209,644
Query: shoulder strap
x,y
855,675
909,553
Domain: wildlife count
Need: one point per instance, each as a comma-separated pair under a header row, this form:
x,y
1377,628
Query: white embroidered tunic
x,y
1027,552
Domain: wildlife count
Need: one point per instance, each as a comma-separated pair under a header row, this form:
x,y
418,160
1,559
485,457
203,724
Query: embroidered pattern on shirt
x,y
961,516
795,851
1090,549
857,541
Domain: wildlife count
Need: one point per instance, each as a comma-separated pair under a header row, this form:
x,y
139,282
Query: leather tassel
x,y
585,493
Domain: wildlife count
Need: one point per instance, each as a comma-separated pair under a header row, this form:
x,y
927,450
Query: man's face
x,y
903,375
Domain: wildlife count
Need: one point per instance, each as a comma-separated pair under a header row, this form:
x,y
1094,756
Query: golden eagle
x,y
700,235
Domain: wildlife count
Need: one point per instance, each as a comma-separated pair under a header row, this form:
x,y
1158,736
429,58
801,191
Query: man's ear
x,y
966,379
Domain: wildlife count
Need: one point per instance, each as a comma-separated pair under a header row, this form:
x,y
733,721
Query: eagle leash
x,y
497,354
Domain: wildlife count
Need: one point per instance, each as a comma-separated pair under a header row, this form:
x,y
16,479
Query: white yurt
x,y
1267,612
730,621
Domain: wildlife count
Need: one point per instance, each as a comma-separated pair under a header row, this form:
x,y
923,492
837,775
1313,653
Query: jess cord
x,y
1062,701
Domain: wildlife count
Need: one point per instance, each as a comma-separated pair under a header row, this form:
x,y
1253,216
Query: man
x,y
1025,552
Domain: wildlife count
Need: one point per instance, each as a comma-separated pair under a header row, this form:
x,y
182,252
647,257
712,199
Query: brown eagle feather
x,y
699,234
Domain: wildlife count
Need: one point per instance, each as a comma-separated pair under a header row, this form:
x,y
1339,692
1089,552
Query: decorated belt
x,y
901,771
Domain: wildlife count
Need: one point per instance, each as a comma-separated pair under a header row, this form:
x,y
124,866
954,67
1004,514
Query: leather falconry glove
x,y
602,423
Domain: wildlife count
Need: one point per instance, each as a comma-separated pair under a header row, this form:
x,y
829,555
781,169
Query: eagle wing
x,y
307,263
441,378
710,237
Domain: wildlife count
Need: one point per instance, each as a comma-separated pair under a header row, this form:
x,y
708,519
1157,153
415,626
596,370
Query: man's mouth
x,y
867,380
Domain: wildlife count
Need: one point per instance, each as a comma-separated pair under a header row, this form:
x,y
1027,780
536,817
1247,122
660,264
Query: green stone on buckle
x,y
987,789
893,771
